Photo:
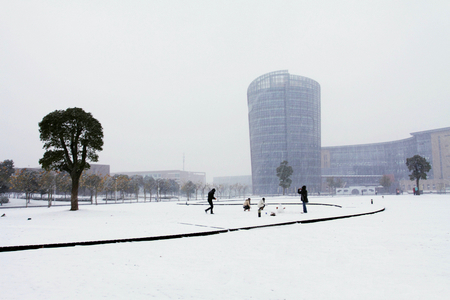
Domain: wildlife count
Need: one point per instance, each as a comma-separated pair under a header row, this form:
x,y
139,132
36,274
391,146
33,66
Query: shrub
x,y
4,199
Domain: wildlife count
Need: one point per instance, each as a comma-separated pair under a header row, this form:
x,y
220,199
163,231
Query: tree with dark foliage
x,y
6,170
419,168
71,138
284,172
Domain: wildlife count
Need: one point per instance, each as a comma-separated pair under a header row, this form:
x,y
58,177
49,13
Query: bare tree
x,y
189,188
121,183
25,181
108,186
136,182
93,183
149,186
63,182
386,181
47,184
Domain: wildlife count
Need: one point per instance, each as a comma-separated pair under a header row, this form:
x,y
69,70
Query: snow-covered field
x,y
400,253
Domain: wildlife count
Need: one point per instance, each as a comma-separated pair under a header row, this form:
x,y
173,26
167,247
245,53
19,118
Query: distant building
x,y
284,123
177,175
366,164
101,170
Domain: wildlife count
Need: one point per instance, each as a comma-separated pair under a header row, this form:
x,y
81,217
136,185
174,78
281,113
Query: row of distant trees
x,y
72,139
118,187
51,183
223,190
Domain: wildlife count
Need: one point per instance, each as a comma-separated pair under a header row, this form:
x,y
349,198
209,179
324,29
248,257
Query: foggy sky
x,y
170,78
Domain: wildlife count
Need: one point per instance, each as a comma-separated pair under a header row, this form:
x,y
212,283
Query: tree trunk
x,y
417,184
74,195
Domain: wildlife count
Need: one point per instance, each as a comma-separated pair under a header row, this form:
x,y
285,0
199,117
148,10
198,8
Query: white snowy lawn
x,y
400,253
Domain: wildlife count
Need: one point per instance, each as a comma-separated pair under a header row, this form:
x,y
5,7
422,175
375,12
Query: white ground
x,y
401,253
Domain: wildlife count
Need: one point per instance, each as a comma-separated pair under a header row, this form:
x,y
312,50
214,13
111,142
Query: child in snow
x,y
247,204
261,205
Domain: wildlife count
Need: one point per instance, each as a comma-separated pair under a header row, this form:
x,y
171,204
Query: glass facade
x,y
284,122
366,164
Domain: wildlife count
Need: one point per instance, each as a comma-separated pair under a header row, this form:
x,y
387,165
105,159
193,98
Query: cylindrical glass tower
x,y
284,120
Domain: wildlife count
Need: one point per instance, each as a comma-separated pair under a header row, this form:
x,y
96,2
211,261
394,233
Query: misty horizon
x,y
167,79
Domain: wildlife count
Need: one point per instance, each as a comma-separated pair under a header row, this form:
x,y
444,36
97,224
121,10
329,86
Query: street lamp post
x,y
115,188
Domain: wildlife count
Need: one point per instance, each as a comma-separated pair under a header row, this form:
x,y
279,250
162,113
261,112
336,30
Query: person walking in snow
x,y
304,197
247,204
261,205
210,200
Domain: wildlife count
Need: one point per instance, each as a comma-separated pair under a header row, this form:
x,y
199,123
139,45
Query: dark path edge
x,y
174,236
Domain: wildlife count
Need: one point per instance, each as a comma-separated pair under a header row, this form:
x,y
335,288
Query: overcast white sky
x,y
167,78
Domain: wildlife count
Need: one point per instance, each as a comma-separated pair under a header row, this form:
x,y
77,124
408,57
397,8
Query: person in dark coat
x,y
304,197
210,200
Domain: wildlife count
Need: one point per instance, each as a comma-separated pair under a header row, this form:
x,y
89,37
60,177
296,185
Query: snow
x,y
399,253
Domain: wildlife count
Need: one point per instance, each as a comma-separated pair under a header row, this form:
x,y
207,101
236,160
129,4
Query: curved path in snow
x,y
219,230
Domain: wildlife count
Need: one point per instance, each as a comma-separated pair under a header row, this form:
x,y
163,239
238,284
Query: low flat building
x,y
177,175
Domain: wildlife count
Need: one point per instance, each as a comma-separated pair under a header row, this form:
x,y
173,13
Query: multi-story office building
x,y
366,164
284,122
